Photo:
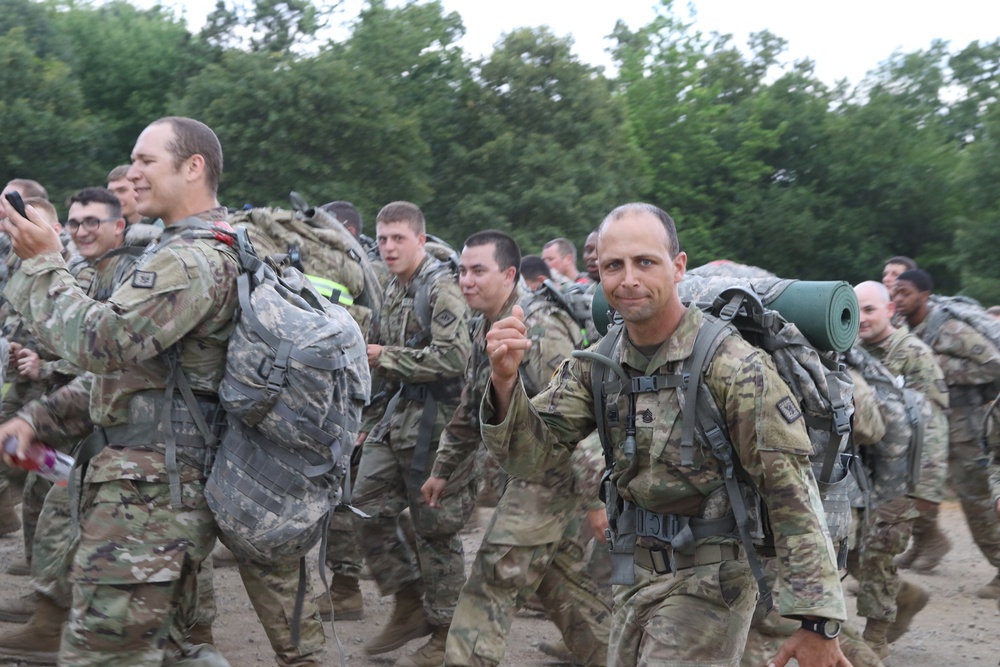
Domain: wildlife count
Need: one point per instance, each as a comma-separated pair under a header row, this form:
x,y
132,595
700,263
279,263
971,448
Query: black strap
x,y
422,452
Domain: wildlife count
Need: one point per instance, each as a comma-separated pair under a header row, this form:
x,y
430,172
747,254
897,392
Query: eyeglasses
x,y
89,224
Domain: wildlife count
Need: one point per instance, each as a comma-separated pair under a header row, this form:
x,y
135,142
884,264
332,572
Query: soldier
x,y
888,602
140,544
560,255
420,350
690,605
590,258
529,545
96,226
893,267
970,363
534,271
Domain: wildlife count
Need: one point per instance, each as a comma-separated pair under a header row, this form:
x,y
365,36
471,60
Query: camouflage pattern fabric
x,y
715,601
768,633
137,555
885,535
530,545
904,354
969,362
383,490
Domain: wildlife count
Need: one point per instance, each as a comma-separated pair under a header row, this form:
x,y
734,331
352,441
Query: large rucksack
x,y
893,464
969,311
296,380
577,303
314,242
822,387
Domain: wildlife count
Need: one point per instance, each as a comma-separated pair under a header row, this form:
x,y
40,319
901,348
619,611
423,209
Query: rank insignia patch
x,y
647,416
788,409
445,317
144,279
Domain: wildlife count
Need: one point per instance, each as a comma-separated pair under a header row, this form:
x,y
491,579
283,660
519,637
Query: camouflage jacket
x,y
443,357
969,361
182,292
767,432
553,335
906,355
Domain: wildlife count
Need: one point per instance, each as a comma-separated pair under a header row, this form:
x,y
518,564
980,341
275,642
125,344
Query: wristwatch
x,y
824,627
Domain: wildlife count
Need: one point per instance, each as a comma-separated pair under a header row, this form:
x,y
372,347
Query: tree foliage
x,y
757,159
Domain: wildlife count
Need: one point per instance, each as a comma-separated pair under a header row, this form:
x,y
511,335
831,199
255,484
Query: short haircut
x,y
641,207
403,211
97,196
119,173
44,207
346,212
918,277
505,249
28,188
192,137
882,290
993,310
534,267
564,246
903,260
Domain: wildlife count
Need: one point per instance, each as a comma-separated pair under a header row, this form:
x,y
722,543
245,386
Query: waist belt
x,y
681,530
659,560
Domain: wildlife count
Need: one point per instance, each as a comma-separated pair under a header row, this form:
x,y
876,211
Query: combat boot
x,y
348,604
37,641
19,610
200,633
990,591
10,518
430,654
909,601
406,624
875,637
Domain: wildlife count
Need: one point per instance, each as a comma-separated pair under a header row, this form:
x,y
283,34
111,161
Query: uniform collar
x,y
676,348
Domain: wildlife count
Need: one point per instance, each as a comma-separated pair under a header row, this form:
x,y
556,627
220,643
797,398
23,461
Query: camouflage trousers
x,y
700,616
883,536
272,591
343,543
53,547
492,478
969,473
32,498
134,566
534,543
383,493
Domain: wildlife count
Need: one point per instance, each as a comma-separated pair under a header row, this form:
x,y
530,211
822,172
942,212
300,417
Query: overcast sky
x,y
846,38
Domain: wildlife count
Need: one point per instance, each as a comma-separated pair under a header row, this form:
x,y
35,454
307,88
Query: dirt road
x,y
956,628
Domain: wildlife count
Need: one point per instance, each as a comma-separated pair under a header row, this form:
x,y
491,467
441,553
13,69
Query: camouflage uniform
x,y
700,615
969,362
888,532
532,543
386,483
138,551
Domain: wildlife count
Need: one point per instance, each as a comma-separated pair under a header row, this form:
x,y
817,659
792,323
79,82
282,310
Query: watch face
x,y
830,628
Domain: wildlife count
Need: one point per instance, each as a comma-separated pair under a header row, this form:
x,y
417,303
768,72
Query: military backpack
x,y
893,464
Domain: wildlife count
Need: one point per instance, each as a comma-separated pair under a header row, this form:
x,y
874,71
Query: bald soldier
x,y
691,605
884,598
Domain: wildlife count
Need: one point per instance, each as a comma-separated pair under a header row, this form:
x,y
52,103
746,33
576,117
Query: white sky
x,y
846,38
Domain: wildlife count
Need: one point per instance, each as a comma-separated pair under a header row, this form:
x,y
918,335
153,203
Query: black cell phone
x,y
15,200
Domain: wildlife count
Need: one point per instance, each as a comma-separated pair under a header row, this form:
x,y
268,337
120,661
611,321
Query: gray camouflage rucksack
x,y
893,464
296,380
969,311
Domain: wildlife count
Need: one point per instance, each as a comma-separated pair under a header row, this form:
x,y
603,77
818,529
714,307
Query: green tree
x,y
46,136
547,154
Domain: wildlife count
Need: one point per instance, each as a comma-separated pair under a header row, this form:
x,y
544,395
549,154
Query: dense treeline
x,y
758,160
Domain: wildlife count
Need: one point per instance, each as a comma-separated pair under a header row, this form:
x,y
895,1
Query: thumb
x,y
518,312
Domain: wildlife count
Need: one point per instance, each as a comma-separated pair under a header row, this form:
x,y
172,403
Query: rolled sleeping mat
x,y
601,312
826,312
